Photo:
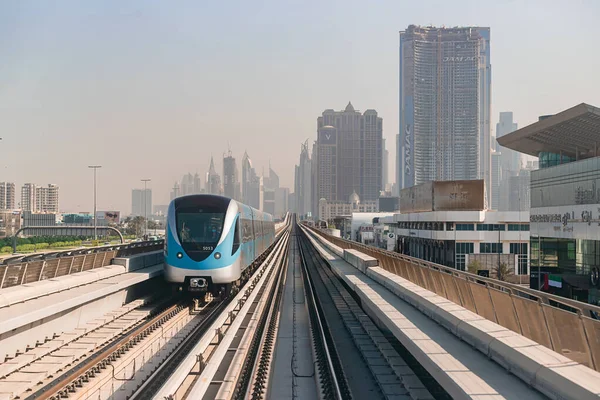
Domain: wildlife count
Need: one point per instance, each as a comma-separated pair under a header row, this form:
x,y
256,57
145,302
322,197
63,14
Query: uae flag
x,y
552,280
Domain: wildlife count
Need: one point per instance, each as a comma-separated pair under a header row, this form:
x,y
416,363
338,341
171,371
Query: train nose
x,y
198,283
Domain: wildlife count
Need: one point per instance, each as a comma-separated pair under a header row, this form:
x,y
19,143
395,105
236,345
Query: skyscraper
x,y
141,202
231,186
213,180
46,199
7,196
303,183
511,160
251,194
28,197
385,167
349,155
496,177
445,83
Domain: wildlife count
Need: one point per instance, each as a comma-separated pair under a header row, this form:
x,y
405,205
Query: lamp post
x,y
145,205
95,167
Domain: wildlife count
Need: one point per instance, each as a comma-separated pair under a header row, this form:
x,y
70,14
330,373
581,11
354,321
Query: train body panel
x,y
211,239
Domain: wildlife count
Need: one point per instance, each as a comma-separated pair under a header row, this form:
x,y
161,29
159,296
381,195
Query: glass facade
x,y
548,160
569,184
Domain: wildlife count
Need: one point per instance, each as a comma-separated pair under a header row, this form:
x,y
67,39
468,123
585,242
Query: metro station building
x,y
448,223
565,201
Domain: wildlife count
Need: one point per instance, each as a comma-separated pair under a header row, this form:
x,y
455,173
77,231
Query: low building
x,y
454,238
565,201
329,210
448,223
10,223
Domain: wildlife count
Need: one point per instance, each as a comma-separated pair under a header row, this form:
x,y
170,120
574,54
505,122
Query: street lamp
x,y
145,205
95,167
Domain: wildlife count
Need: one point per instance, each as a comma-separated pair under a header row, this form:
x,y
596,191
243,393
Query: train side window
x,y
236,237
247,230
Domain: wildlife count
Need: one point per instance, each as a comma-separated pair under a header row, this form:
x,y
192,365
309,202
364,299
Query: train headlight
x,y
217,255
180,255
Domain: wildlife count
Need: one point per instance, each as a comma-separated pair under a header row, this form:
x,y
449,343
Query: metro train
x,y
210,240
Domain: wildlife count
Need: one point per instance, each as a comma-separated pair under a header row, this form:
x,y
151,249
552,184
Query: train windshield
x,y
199,231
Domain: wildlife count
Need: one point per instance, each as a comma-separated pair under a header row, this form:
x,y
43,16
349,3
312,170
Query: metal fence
x,y
37,267
566,326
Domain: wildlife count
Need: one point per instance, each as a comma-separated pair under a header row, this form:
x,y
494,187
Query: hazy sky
x,y
151,89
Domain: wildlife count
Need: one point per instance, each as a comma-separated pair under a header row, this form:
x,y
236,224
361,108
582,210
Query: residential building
x,y
46,199
7,196
445,105
28,199
141,202
565,201
348,155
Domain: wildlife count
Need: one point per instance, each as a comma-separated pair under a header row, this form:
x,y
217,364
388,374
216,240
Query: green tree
x,y
474,266
502,271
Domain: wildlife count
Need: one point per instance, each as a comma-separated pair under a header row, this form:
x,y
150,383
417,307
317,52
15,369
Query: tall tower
x,y
230,177
213,180
445,105
349,155
7,196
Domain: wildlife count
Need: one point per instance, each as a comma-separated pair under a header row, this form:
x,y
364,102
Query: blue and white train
x,y
210,240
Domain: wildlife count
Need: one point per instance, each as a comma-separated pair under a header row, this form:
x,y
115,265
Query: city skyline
x,y
90,62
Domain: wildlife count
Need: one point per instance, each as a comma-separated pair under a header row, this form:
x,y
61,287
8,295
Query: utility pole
x,y
95,167
145,205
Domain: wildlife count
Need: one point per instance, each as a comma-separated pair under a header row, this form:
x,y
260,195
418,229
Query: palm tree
x,y
502,271
474,266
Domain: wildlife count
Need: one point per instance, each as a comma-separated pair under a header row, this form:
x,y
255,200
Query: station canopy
x,y
574,132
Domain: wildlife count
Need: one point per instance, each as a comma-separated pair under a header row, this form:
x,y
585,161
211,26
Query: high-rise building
x,y
176,192
445,83
385,167
141,202
46,199
7,196
28,193
39,199
213,180
231,186
511,160
250,184
349,155
496,178
282,195
303,183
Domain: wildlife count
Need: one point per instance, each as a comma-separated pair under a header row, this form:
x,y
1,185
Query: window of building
x,y
517,227
465,227
449,226
491,227
464,248
486,248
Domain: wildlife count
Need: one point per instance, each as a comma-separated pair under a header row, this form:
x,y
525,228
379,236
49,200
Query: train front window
x,y
199,231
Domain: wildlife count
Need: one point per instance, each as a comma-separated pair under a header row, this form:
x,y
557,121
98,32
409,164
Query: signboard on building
x,y
108,217
566,222
467,195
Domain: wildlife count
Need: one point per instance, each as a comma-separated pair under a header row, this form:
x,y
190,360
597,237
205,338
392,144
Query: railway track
x,y
189,370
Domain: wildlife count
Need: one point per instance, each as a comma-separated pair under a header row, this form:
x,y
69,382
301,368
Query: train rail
x,y
391,374
189,370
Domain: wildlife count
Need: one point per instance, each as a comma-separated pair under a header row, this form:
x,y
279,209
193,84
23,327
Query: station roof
x,y
576,129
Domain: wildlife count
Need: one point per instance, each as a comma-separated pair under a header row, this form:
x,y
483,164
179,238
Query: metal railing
x,y
566,326
36,267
